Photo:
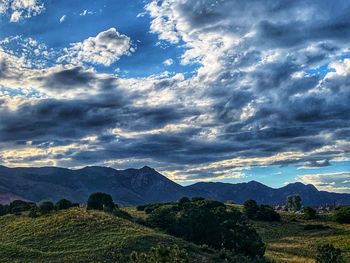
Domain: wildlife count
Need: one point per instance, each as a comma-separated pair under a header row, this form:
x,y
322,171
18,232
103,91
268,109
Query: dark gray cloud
x,y
253,97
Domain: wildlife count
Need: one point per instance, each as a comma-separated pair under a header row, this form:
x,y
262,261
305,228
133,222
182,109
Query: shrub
x,y
266,213
100,201
210,223
183,201
63,204
18,206
4,209
263,212
46,207
250,209
161,254
309,213
342,215
328,254
34,212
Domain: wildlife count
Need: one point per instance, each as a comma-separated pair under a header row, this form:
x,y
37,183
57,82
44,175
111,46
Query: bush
x,y
263,212
309,213
266,213
18,206
328,254
4,209
100,201
34,212
63,204
250,209
342,215
46,207
161,254
210,223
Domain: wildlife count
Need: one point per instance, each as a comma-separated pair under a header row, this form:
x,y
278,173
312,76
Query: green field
x,y
77,235
289,242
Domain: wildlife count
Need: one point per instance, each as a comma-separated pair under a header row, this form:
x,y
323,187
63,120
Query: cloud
x,y
63,18
104,49
252,101
21,9
168,62
335,182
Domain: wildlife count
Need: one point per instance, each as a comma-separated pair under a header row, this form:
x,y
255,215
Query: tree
x,y
18,206
309,213
267,213
100,201
161,254
250,209
342,215
63,204
207,222
46,207
294,203
4,209
328,254
183,201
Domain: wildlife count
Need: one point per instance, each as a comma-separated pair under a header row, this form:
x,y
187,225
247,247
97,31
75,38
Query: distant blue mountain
x,y
141,186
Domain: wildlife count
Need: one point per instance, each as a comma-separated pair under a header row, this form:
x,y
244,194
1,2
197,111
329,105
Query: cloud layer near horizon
x,y
257,98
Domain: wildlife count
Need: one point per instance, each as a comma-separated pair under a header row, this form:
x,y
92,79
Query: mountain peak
x,y
147,169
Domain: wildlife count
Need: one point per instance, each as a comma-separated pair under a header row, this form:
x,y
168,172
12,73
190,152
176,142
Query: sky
x,y
201,90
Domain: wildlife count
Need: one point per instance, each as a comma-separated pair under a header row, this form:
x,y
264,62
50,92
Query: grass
x,y
289,242
77,235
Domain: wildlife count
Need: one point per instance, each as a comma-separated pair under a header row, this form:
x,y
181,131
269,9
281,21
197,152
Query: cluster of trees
x,y
19,206
209,223
260,212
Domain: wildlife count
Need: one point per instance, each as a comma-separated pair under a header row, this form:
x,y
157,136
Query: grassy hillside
x,y
77,235
288,241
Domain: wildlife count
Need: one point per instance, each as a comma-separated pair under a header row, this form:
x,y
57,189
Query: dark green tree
x,y
250,209
328,254
100,201
342,215
46,207
63,204
294,203
309,213
4,209
267,213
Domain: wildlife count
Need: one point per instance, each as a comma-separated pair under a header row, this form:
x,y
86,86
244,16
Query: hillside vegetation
x,y
77,235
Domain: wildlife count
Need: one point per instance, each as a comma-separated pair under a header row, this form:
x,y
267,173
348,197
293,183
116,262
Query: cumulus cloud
x,y
21,9
106,48
168,62
334,182
253,101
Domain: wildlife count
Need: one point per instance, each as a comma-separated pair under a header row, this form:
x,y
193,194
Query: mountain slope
x,y
267,195
141,186
127,187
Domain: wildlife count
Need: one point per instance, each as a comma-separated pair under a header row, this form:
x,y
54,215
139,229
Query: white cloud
x,y
106,48
336,182
21,9
168,62
63,18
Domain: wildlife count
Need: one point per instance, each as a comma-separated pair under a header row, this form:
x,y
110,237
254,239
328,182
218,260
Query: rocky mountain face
x,y
141,186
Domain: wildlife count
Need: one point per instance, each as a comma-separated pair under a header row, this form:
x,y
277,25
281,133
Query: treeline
x,y
19,206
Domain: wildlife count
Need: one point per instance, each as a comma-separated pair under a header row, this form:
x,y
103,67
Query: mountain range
x,y
142,186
